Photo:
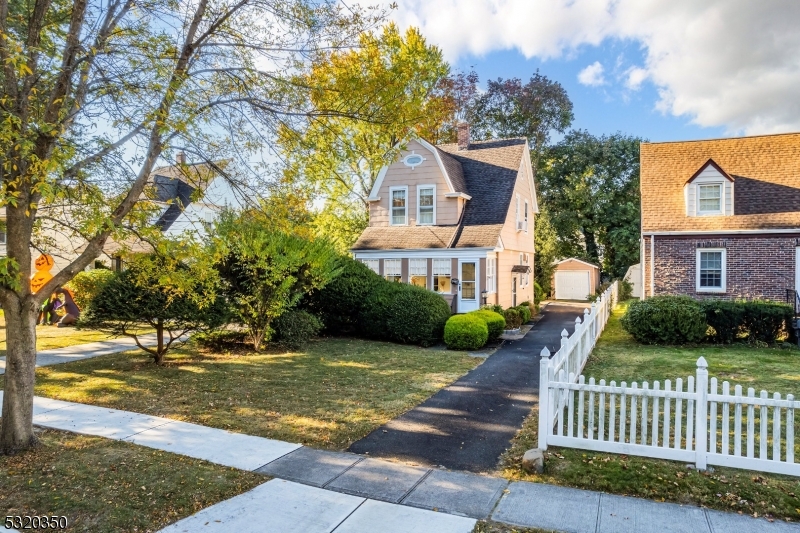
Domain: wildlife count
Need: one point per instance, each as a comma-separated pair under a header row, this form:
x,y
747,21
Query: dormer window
x,y
709,198
413,160
709,192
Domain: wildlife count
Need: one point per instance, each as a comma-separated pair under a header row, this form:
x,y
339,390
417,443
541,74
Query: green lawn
x,y
618,357
102,485
328,395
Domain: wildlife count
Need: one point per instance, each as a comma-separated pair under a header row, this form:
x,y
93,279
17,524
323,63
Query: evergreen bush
x,y
666,320
404,313
466,332
296,327
494,322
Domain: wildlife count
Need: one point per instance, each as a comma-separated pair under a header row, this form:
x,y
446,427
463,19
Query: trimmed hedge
x,y
466,332
296,327
725,318
340,302
666,320
404,313
494,322
766,321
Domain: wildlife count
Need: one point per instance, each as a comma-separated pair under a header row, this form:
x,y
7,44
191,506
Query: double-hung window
x,y
441,275
525,220
391,269
426,204
491,274
711,269
398,205
418,270
709,198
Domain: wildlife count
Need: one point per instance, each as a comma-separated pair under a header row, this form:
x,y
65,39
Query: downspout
x,y
652,265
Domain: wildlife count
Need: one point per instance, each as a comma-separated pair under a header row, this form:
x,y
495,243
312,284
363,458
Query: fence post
x,y
701,420
595,325
544,394
577,348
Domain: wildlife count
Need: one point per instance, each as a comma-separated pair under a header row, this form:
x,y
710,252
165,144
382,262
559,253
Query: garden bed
x,y
328,395
617,356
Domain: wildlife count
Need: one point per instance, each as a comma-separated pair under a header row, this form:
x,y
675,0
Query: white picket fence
x,y
700,424
570,359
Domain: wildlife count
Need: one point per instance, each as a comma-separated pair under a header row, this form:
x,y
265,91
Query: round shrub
x,y
404,313
666,320
466,332
86,284
513,318
340,302
494,322
296,327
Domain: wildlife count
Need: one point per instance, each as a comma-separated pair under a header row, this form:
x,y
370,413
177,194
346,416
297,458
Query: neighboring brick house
x,y
721,218
456,219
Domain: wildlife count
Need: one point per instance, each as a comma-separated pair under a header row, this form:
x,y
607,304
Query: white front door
x,y
468,286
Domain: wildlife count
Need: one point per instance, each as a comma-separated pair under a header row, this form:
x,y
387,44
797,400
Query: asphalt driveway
x,y
467,425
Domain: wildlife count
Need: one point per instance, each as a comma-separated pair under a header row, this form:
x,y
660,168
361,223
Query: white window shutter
x,y
728,198
691,200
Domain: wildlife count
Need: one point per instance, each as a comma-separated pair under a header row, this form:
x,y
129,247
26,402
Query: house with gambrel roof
x,y
456,219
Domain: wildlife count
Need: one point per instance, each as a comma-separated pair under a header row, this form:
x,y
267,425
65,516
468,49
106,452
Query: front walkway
x,y
318,491
469,424
78,352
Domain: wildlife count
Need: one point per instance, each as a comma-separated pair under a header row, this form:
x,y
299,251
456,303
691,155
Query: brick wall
x,y
757,267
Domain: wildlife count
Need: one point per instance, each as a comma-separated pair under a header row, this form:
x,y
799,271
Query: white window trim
x,y
517,225
420,187
715,212
413,268
413,154
525,220
391,209
372,264
698,288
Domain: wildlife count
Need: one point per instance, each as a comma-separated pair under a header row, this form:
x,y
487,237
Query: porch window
x,y
426,206
391,269
399,205
441,275
418,270
491,275
372,264
711,270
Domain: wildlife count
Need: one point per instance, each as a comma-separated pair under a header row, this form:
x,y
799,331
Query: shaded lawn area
x,y
327,395
104,485
618,357
49,337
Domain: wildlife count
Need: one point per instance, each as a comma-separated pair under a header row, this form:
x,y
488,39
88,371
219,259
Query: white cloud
x,y
592,75
730,63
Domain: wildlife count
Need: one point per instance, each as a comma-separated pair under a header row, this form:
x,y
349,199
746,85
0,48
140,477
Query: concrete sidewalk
x,y
78,352
319,491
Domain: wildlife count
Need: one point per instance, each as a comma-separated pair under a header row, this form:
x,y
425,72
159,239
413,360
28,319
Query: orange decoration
x,y
43,265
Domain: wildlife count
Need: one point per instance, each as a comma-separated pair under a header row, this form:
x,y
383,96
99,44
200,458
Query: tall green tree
x,y
510,108
395,80
265,271
590,187
95,92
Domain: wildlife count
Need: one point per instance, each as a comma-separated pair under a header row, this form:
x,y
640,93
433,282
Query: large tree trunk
x,y
17,425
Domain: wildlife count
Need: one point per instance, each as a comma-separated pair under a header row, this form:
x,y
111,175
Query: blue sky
x,y
659,69
602,109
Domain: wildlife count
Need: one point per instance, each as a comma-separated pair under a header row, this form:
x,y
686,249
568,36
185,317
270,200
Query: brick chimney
x,y
463,136
181,158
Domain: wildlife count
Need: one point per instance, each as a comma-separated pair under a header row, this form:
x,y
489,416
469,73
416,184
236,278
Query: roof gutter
x,y
723,232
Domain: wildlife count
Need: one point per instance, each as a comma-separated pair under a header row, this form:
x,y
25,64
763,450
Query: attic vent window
x,y
413,160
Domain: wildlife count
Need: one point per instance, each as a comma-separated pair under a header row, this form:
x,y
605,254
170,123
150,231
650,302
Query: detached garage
x,y
574,279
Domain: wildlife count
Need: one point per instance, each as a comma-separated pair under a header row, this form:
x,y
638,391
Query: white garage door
x,y
572,285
